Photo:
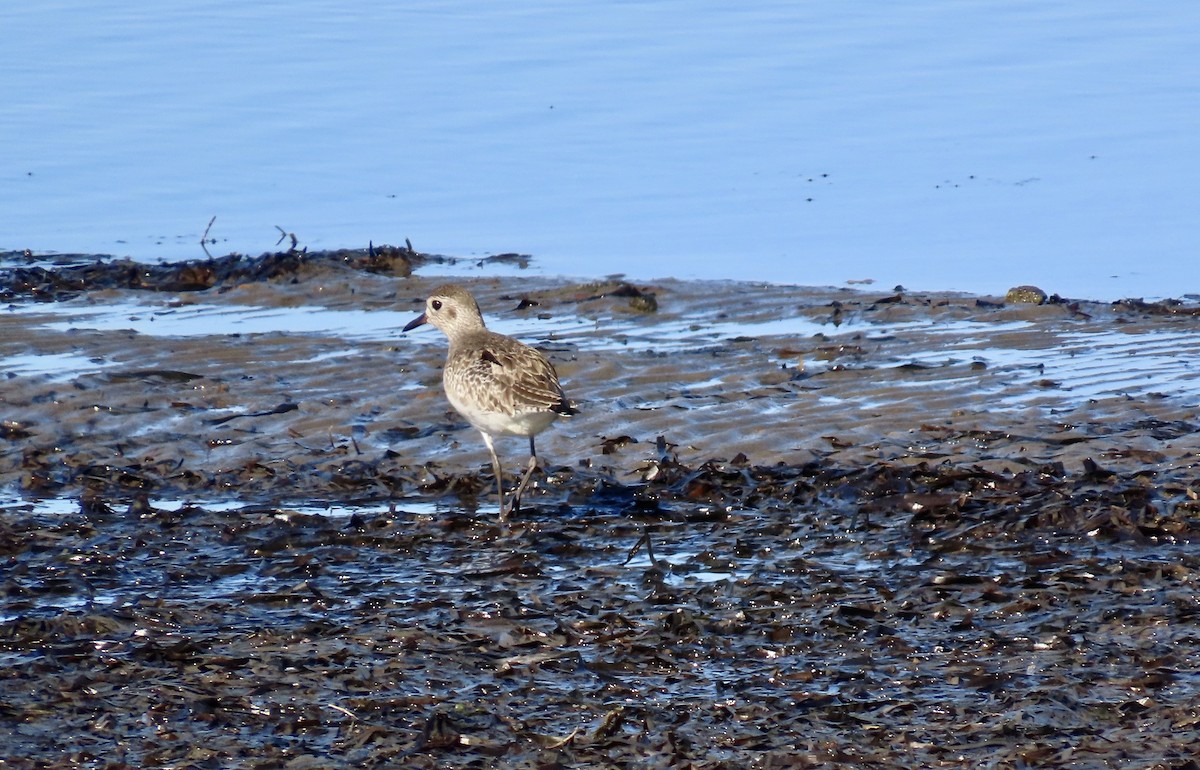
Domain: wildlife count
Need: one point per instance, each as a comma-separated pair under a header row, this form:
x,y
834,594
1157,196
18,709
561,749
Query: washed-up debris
x,y
815,614
24,275
961,536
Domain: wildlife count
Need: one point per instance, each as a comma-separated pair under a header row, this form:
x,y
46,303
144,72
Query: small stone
x,y
644,303
1027,295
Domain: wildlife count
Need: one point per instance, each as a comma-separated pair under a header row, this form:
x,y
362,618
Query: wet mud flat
x,y
791,527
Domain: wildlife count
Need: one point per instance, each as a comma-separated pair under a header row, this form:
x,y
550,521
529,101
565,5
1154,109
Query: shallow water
x,y
1075,361
940,145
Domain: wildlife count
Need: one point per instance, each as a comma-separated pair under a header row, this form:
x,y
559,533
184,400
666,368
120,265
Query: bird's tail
x,y
565,408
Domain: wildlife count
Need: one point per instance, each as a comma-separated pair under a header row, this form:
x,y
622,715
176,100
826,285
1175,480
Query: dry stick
x,y
643,540
285,234
636,547
204,238
564,741
345,711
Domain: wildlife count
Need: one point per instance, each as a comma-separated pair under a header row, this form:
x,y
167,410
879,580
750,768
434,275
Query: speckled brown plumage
x,y
498,384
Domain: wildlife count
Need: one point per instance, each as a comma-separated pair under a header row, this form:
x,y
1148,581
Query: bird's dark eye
x,y
436,304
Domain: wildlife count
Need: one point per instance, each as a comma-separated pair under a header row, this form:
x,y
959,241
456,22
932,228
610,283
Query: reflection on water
x,y
13,501
56,366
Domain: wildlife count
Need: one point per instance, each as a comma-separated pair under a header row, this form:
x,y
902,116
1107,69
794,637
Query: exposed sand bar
x,y
266,387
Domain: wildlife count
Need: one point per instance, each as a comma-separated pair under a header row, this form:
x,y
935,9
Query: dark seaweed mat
x,y
890,616
61,277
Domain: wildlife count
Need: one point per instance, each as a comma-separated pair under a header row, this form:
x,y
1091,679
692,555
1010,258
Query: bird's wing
x,y
509,378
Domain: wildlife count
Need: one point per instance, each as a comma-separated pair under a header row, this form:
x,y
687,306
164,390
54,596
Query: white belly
x,y
498,424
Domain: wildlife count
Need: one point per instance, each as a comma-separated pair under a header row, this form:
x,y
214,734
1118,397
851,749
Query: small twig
x,y
633,551
285,234
643,540
204,238
345,711
560,743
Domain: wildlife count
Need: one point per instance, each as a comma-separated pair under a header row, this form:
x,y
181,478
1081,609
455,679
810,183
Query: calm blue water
x,y
939,144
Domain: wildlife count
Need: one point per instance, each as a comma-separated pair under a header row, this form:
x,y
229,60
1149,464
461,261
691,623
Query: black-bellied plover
x,y
501,386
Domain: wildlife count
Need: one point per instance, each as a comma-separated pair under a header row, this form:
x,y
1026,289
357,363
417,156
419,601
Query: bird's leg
x,y
499,475
516,502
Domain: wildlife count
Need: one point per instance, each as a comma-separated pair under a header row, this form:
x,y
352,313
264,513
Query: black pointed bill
x,y
414,323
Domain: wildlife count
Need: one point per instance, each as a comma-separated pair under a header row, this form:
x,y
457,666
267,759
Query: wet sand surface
x,y
790,527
